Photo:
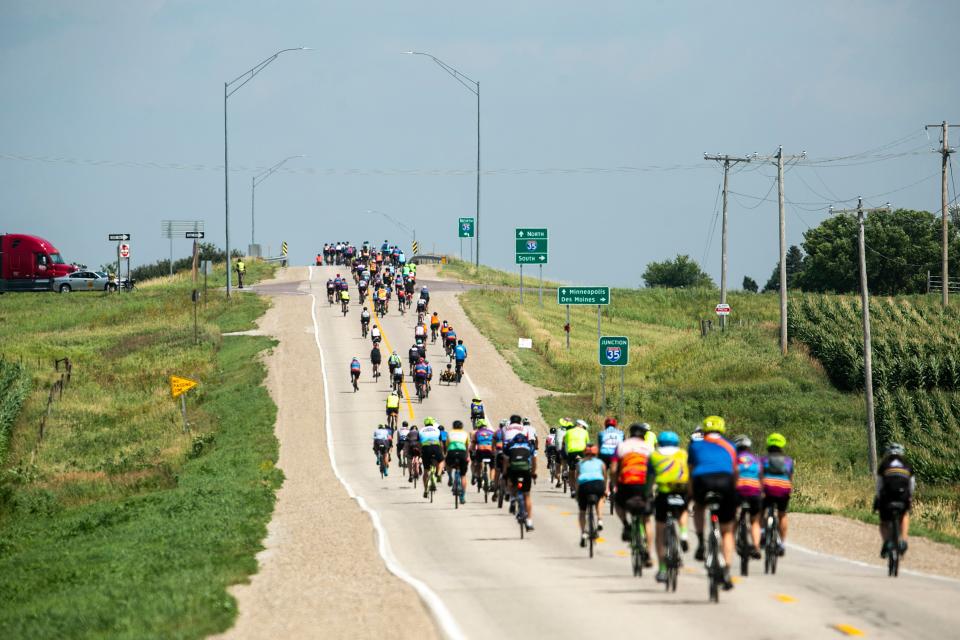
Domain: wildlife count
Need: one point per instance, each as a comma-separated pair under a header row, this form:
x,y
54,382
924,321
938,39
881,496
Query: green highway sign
x,y
583,295
531,246
524,234
465,227
614,351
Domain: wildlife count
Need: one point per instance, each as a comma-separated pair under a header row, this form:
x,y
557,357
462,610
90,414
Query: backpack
x,y
519,458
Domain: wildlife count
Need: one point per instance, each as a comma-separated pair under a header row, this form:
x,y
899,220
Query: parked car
x,y
83,281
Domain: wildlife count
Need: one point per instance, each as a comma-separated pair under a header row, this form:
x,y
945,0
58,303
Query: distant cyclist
x,y
481,448
713,468
431,452
591,486
610,438
459,354
382,443
393,407
672,477
634,478
895,485
476,409
458,456
354,371
519,465
574,443
750,488
375,358
434,326
777,481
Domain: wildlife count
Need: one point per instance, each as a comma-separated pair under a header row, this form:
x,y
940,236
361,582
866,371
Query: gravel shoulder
x,y
320,574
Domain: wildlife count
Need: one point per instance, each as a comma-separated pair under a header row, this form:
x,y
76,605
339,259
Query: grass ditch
x,y
676,377
117,523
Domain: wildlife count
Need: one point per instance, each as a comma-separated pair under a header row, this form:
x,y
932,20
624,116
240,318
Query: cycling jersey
x,y
364,316
414,354
393,402
420,331
531,432
430,435
345,295
590,470
420,371
402,434
777,475
394,361
382,435
633,462
435,321
561,437
459,352
483,439
457,440
519,455
510,432
355,366
748,474
670,469
610,438
551,441
476,410
714,454
575,439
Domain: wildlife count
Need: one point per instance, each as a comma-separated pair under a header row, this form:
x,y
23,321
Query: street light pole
x,y
473,87
246,77
412,232
257,179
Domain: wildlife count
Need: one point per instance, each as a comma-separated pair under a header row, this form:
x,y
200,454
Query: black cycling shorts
x,y
392,411
661,507
587,489
413,449
752,504
721,483
432,454
574,457
606,458
632,496
780,502
516,475
480,456
457,460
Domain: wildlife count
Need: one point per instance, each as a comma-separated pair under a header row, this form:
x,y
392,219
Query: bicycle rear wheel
x,y
456,489
591,528
636,545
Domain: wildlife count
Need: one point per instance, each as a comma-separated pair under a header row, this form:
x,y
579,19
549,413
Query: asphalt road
x,y
495,585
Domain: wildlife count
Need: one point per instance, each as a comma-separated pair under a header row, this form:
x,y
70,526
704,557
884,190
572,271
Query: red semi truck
x,y
29,263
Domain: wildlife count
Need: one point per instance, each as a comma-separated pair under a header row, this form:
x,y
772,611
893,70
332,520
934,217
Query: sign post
x,y
614,351
118,238
582,296
466,228
178,388
531,248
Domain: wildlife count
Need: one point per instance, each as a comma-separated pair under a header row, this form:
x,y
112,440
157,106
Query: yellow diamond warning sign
x,y
179,386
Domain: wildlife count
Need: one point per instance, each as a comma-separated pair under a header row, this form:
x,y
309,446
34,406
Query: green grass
x,y
676,377
118,523
464,271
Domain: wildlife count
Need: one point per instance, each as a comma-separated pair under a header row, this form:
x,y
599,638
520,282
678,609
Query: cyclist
x,y
413,356
777,481
344,297
429,374
375,358
550,447
451,341
458,457
401,298
481,448
425,296
421,305
412,452
750,488
634,482
476,409
394,361
393,406
562,425
420,376
443,444
520,465
331,289
382,443
434,326
610,438
671,475
420,332
895,484
402,434
713,468
574,442
431,451
365,319
531,432
375,336
354,371
444,328
459,355
591,483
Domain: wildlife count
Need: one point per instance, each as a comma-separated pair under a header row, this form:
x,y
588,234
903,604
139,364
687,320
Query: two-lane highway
x,y
495,585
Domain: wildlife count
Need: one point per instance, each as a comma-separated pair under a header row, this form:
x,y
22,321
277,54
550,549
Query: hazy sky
x,y
127,95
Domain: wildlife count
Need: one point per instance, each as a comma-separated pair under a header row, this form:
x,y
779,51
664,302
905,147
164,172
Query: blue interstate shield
x,y
531,245
613,354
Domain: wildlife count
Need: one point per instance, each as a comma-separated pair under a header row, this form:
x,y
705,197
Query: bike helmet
x,y
669,439
482,422
476,399
582,423
406,424
776,440
525,421
591,449
714,424
519,438
429,422
503,422
743,442
457,424
610,422
894,449
565,423
442,428
637,429
553,429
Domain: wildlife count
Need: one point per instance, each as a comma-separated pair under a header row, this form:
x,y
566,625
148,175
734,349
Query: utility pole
x,y
867,341
779,160
728,161
945,152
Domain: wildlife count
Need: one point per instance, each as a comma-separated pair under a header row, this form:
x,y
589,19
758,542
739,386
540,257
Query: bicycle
x,y
433,335
364,328
713,558
744,540
897,510
376,371
457,488
484,481
458,371
353,381
612,495
381,462
638,536
414,464
771,547
432,485
521,508
392,419
674,552
345,306
592,533
421,392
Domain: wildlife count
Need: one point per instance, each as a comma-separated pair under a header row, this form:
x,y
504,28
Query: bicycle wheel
x,y
770,548
893,551
500,492
380,463
670,540
714,570
591,528
433,486
636,547
743,543
456,489
486,484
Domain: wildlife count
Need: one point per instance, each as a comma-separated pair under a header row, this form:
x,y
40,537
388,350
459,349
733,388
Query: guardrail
x,y
428,258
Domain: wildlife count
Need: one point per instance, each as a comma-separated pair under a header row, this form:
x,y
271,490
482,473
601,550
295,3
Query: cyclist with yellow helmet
x,y
713,468
777,481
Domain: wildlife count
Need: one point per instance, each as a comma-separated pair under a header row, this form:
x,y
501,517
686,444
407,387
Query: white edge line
x,y
867,565
440,612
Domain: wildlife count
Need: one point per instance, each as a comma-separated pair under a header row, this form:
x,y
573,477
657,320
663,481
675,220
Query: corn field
x,y
14,385
916,369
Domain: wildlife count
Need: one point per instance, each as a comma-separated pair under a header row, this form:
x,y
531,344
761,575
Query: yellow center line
x,y
386,341
848,630
782,597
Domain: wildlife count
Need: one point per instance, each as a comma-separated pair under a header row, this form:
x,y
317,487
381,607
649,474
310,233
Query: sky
x,y
594,121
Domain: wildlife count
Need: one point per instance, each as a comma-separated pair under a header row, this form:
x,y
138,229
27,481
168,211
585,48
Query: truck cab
x,y
29,263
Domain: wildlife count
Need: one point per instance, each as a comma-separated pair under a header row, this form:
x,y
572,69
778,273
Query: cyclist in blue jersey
x,y
591,483
713,468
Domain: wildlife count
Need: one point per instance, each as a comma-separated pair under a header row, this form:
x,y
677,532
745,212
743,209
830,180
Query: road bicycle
x,y
674,552
771,547
744,539
483,482
392,419
474,417
382,461
897,510
713,558
592,533
345,306
421,391
397,385
364,329
353,380
414,464
521,507
612,495
433,334
638,535
376,371
458,371
431,480
457,488
330,296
